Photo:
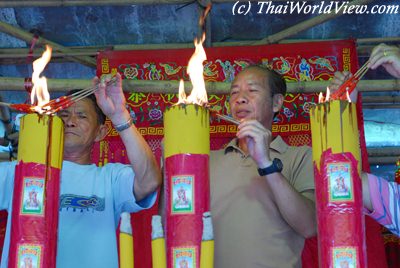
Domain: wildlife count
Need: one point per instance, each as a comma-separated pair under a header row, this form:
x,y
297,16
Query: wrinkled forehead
x,y
252,75
83,104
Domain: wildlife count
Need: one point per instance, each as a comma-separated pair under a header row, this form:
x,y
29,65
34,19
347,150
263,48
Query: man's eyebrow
x,y
254,82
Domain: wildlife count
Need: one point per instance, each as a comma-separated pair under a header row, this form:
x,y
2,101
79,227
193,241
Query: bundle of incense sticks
x,y
57,104
350,84
228,118
63,102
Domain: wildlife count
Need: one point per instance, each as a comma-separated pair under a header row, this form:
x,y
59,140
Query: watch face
x,y
278,164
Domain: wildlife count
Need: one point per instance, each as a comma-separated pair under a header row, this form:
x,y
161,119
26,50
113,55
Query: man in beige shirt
x,y
262,190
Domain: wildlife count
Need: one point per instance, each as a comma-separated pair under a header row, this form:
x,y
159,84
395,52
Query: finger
x,y
386,56
252,127
114,84
100,93
342,76
335,84
376,50
377,62
114,80
107,78
252,122
347,75
255,133
338,77
255,126
119,79
379,52
95,81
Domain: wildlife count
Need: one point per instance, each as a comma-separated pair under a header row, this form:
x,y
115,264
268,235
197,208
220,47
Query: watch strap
x,y
123,126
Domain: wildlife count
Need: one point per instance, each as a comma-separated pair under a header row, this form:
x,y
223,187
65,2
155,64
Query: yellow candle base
x,y
207,254
37,133
126,251
158,253
186,130
334,125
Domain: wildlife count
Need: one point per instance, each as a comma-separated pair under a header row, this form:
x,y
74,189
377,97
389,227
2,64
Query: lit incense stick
x,y
228,118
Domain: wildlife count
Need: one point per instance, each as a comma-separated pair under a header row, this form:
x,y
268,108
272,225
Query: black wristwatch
x,y
276,166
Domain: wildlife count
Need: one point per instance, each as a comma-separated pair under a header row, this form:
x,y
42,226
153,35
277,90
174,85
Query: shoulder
x,y
8,164
109,169
300,150
114,166
217,153
94,167
6,167
298,154
281,147
115,170
217,157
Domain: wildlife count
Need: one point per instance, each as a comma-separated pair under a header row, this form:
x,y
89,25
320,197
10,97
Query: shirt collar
x,y
278,145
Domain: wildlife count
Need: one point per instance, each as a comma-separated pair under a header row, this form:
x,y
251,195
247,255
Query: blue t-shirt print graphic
x,y
82,203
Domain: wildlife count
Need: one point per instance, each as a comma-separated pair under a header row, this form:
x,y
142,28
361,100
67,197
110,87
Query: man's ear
x,y
101,133
277,102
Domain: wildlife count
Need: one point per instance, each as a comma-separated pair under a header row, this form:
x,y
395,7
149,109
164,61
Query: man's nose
x,y
242,97
70,121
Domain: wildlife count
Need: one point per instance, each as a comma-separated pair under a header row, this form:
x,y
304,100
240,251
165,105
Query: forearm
x,y
147,172
297,210
384,197
365,192
112,102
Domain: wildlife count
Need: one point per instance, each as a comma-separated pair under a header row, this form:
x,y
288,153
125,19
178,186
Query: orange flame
x,y
182,94
348,96
40,95
328,94
195,71
320,97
